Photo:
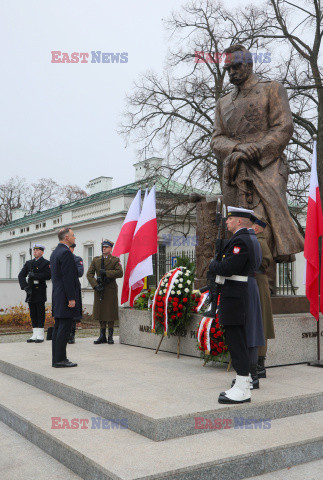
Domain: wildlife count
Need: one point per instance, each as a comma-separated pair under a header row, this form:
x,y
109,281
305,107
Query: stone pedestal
x,y
295,342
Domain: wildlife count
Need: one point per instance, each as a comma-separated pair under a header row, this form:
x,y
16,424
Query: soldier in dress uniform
x,y
105,308
80,271
264,292
37,271
254,328
232,274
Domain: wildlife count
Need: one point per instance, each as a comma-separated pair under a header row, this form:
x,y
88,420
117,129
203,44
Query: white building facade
x,y
96,217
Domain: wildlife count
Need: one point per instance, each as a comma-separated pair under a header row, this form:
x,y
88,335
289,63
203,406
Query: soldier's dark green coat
x,y
106,310
264,292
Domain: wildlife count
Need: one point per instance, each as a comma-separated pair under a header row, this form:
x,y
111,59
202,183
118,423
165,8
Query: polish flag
x,y
124,240
144,245
314,229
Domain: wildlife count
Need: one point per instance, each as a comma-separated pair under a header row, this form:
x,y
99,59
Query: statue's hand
x,y
231,166
250,150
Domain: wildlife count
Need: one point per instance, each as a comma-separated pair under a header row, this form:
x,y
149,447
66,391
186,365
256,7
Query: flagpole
x,y
319,362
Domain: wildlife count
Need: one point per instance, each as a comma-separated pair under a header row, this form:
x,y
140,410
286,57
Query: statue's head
x,y
238,64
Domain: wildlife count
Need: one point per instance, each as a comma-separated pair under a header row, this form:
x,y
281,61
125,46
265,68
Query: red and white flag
x,y
144,245
124,240
314,229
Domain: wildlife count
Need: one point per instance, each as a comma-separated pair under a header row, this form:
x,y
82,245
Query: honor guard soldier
x,y
264,292
37,271
232,273
107,268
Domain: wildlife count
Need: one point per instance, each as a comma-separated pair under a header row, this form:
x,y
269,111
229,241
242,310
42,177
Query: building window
x,y
13,232
286,279
89,254
22,260
44,224
8,266
56,221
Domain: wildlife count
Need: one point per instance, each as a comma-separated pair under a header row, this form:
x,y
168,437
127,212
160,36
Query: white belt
x,y
236,278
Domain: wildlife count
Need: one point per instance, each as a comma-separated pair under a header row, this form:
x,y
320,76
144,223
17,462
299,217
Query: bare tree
x,y
301,25
40,195
70,193
12,195
173,113
43,194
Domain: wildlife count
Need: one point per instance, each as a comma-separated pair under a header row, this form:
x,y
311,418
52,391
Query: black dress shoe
x,y
65,364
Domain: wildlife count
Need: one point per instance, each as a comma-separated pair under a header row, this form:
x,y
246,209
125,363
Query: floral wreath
x,y
171,308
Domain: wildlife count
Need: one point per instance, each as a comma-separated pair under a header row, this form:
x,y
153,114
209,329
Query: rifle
x,y
212,286
101,279
29,288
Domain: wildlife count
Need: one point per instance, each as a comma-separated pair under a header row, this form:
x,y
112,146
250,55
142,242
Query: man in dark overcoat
x,y
107,268
66,296
37,271
232,274
264,292
80,271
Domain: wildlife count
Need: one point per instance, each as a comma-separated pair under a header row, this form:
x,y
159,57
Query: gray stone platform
x,y
160,397
295,341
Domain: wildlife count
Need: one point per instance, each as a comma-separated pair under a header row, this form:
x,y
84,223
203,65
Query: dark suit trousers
x,y
235,336
37,314
61,333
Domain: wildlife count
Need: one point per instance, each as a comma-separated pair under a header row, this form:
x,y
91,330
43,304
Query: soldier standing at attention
x,y
232,274
38,272
105,308
264,292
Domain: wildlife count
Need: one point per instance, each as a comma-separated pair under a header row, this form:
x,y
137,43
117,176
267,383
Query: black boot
x,y
110,337
71,339
261,371
254,376
102,338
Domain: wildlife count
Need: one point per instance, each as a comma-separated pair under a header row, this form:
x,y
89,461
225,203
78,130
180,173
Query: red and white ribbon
x,y
202,300
204,328
170,283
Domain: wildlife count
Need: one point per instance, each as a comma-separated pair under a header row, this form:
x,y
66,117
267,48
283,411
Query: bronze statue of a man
x,y
253,125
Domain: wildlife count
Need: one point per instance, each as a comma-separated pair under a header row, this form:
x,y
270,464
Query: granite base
x,y
295,342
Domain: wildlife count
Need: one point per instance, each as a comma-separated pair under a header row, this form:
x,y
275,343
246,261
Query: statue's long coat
x,y
259,113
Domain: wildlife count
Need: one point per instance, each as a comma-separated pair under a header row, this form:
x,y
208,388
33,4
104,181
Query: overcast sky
x,y
60,120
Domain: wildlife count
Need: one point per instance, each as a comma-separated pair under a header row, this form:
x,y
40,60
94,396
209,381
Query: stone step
x,y
160,396
306,471
20,459
120,454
